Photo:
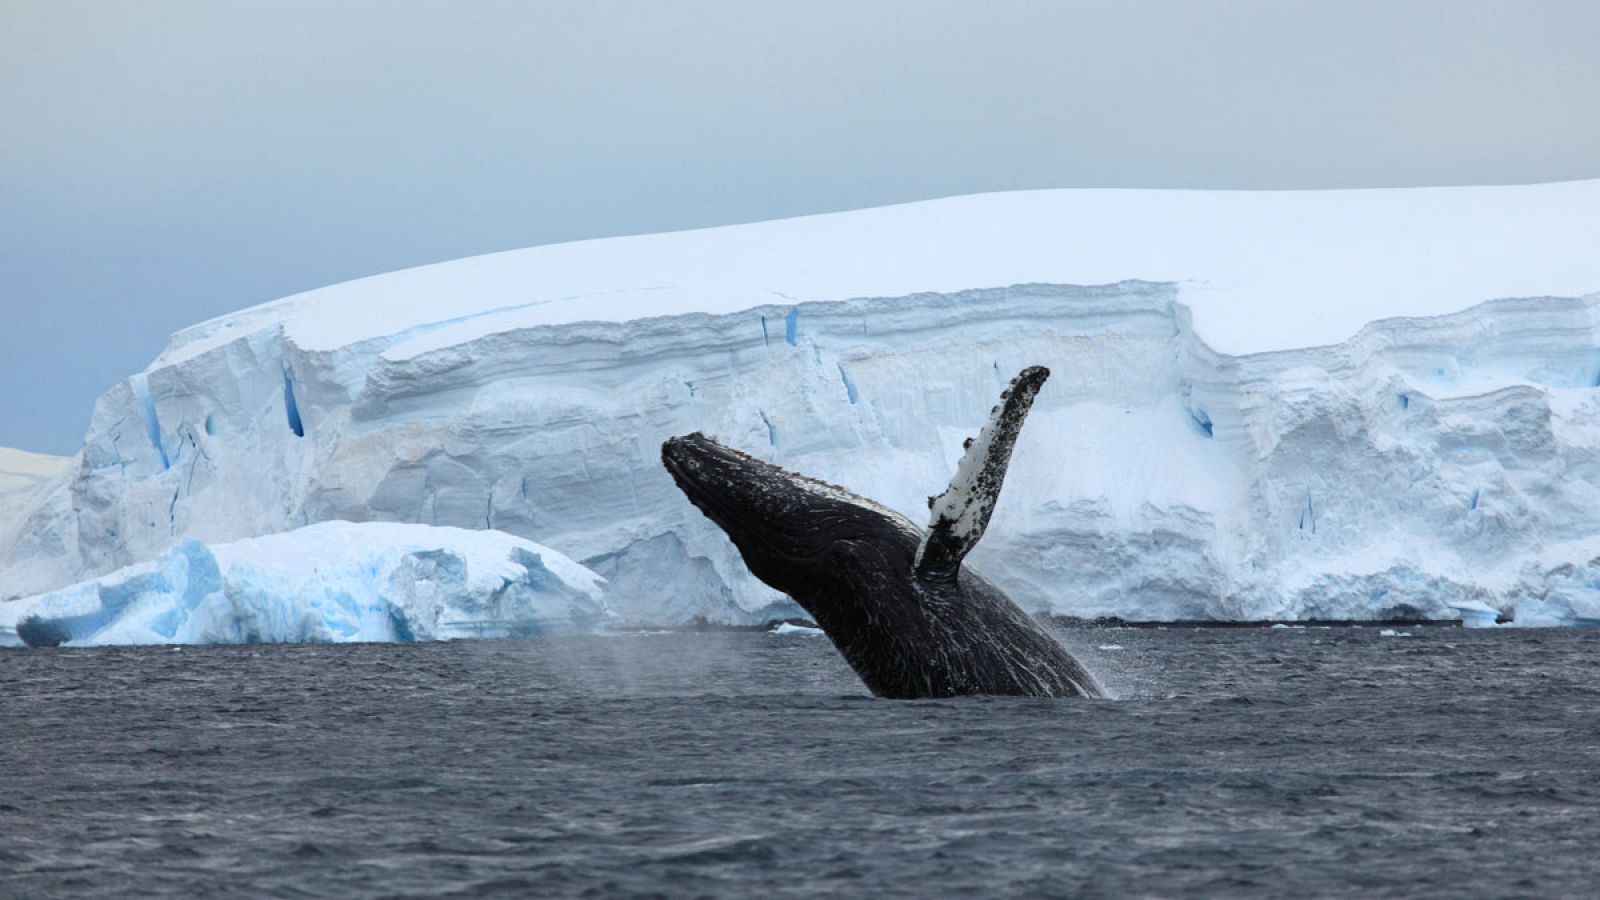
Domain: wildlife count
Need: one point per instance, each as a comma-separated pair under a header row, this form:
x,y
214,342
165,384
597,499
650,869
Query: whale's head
x,y
800,535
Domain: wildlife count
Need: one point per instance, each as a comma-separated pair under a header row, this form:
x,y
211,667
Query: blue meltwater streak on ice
x,y
849,386
290,406
791,326
152,422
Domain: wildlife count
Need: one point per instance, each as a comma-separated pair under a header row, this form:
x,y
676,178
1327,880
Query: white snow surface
x,y
1262,270
329,582
24,475
1267,405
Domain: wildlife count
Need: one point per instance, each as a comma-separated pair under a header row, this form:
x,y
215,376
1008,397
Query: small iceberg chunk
x,y
791,628
1476,613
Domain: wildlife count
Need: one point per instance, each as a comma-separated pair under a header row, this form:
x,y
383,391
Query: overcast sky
x,y
165,162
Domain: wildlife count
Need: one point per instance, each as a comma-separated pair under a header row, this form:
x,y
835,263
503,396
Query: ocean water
x,y
1319,762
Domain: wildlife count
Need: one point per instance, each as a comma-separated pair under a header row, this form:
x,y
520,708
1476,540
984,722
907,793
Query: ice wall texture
x,y
329,582
1221,438
1424,466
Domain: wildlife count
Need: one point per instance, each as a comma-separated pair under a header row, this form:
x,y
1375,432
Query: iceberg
x,y
1266,405
329,582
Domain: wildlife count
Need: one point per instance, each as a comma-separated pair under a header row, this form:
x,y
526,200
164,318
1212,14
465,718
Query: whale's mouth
x,y
686,459
706,469
765,508
707,473
699,462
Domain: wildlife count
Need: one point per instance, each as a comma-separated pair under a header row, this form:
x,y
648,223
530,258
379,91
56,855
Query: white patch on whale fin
x,y
960,514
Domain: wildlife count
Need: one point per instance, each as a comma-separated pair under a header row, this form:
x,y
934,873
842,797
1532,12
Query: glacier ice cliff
x,y
1200,452
329,582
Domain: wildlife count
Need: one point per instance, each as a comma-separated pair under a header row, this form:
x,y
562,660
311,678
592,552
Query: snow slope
x,y
22,475
1224,435
334,581
1262,270
33,485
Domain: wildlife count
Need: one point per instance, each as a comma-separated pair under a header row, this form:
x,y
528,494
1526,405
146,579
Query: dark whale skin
x,y
910,631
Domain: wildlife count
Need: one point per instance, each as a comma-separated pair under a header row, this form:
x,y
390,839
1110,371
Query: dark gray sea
x,y
1312,762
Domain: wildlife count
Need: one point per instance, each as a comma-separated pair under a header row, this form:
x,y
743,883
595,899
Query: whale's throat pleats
x,y
959,516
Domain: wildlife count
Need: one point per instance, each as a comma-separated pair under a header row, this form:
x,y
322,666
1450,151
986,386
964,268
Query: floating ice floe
x,y
330,582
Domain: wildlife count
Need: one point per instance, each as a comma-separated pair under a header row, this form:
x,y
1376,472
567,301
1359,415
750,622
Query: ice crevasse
x,y
1338,404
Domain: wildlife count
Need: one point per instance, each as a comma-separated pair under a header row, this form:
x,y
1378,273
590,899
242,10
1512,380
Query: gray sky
x,y
165,162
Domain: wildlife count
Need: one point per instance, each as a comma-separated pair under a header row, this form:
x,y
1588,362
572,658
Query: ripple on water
x,y
1326,762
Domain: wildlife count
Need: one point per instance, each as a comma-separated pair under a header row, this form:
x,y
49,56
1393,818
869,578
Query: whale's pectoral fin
x,y
960,514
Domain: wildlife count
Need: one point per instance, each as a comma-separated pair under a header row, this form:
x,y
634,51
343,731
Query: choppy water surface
x,y
1314,761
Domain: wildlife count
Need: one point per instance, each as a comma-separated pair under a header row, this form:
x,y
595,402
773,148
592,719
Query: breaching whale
x,y
894,599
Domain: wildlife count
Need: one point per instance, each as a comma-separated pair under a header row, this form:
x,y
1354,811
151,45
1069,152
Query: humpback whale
x,y
895,599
